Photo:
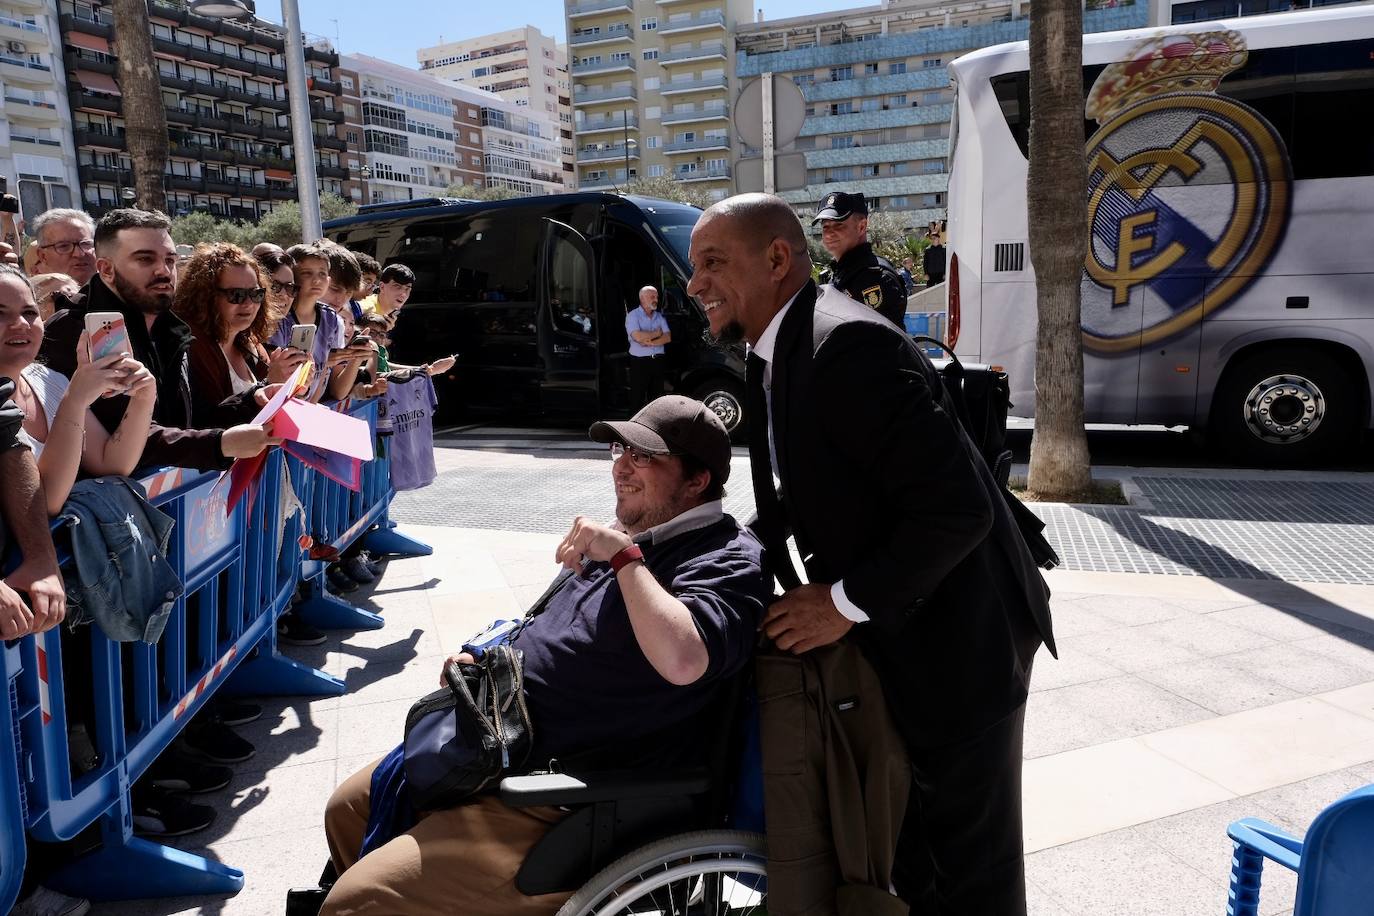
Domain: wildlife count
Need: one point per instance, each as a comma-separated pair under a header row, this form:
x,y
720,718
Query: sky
x,y
393,29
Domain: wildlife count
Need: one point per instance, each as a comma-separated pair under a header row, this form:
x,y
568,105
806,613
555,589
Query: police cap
x,y
839,205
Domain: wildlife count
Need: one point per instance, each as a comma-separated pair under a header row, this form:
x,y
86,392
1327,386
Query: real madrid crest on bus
x,y
1188,191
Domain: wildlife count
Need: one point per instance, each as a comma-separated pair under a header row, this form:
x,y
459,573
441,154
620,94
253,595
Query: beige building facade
x,y
523,66
653,86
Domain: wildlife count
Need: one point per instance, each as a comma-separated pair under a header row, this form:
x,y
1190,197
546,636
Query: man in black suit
x,y
906,539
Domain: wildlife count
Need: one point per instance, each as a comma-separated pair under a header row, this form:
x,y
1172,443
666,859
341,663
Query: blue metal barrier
x,y
240,571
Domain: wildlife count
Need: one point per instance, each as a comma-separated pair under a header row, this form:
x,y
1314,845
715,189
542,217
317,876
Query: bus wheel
x,y
1285,407
725,397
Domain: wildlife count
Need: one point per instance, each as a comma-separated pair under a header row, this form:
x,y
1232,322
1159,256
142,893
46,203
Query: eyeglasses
x,y
65,248
638,458
242,295
279,288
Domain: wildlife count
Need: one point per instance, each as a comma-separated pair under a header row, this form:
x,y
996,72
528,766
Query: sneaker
x,y
339,581
294,631
173,772
45,901
357,570
158,813
215,742
81,752
231,713
374,564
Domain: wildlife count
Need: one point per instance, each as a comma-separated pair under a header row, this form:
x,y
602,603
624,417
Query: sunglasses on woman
x,y
289,288
241,295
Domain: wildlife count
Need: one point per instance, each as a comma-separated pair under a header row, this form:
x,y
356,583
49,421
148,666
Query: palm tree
x,y
1057,193
145,121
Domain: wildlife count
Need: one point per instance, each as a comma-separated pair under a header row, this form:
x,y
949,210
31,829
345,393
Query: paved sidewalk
x,y
1178,705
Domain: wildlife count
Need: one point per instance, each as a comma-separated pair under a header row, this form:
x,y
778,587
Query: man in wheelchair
x,y
623,668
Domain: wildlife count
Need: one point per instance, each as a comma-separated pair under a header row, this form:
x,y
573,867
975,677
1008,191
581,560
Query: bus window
x,y
1013,97
1333,135
421,251
571,306
1265,84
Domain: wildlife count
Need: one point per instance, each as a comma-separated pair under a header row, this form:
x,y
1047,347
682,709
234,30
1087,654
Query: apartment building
x,y
877,92
653,83
523,66
1211,10
521,150
224,89
37,149
355,154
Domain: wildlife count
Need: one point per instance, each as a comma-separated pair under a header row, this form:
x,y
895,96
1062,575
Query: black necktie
x,y
770,527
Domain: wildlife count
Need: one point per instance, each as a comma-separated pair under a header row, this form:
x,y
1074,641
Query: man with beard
x,y
622,668
136,275
934,583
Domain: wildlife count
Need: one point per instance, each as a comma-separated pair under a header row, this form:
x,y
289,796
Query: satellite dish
x,y
789,112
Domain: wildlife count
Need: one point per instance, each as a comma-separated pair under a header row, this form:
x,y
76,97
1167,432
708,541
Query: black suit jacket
x,y
882,488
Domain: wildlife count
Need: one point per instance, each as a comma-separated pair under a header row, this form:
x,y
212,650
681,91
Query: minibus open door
x,y
569,327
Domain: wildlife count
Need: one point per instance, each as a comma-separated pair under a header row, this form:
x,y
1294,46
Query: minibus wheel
x,y
725,397
1294,405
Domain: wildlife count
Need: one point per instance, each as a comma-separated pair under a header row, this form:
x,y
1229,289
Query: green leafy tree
x,y
472,192
666,188
281,227
198,227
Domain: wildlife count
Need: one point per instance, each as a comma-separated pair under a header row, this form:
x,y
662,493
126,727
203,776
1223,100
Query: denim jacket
x,y
122,580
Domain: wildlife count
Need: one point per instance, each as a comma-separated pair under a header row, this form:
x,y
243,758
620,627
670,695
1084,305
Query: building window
x,y
900,168
474,137
898,203
870,104
648,23
804,79
896,66
650,82
932,63
844,174
842,108
651,54
347,82
870,69
933,165
933,98
652,113
868,171
653,142
657,171
897,100
842,142
841,73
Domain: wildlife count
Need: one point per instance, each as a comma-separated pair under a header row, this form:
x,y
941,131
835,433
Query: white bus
x,y
1230,280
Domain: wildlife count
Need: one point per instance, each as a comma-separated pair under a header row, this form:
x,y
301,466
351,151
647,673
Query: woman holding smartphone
x,y
221,297
58,425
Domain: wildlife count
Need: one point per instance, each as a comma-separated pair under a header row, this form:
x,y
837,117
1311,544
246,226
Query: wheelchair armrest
x,y
1267,840
565,789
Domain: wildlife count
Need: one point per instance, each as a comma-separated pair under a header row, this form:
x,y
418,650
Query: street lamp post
x,y
298,94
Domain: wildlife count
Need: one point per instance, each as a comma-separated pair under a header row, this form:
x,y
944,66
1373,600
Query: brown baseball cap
x,y
673,425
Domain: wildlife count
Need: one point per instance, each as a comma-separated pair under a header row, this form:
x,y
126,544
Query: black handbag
x,y
460,739
981,398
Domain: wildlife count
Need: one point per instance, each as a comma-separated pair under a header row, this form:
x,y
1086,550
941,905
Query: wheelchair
x,y
659,842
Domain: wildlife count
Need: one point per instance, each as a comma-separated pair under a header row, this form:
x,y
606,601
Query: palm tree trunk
x,y
145,121
1057,193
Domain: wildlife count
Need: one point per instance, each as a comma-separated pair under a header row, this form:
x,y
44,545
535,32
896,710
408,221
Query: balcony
x,y
172,12
211,121
601,96
326,56
706,52
90,61
326,86
268,71
597,7
275,193
93,173
88,101
86,25
205,56
273,132
678,87
586,68
599,125
699,145
333,143
592,184
28,110
212,153
177,82
320,113
615,153
722,113
604,36
331,171
105,139
713,19
211,90
185,183
717,173
14,70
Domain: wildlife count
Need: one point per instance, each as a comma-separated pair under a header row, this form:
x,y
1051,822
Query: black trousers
x,y
961,851
646,380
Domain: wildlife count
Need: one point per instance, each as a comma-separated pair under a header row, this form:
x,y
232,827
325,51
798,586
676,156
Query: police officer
x,y
857,271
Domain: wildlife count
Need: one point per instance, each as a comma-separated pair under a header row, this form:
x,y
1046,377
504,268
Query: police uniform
x,y
859,273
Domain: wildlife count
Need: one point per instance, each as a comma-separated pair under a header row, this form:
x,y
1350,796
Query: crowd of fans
x,y
209,343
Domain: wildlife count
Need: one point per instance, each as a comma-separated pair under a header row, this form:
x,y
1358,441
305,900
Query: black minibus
x,y
532,294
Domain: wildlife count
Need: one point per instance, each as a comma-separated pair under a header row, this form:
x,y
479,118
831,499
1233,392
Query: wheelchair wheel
x,y
705,873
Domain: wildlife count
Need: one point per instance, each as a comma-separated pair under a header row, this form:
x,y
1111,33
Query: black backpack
x,y
982,397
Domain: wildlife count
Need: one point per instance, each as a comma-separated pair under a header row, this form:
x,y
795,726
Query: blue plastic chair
x,y
1335,877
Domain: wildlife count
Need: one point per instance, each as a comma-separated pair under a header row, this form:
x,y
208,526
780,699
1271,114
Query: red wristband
x,y
626,557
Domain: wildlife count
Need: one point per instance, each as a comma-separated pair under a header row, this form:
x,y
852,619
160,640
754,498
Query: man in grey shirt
x,y
648,333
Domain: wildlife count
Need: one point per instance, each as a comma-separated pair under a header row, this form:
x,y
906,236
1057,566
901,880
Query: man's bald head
x,y
763,216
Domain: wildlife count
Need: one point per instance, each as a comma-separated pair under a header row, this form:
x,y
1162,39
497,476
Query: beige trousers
x,y
458,862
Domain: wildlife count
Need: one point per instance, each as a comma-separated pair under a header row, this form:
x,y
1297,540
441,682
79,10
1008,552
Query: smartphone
x,y
303,338
106,334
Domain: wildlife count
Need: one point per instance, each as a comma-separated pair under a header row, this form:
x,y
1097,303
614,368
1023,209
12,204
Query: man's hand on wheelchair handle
x,y
589,540
461,658
804,619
